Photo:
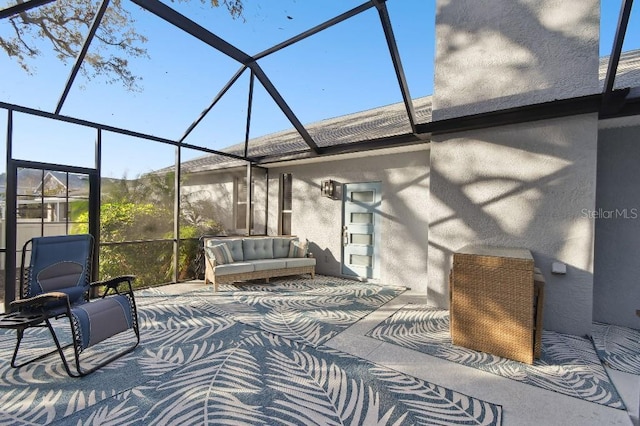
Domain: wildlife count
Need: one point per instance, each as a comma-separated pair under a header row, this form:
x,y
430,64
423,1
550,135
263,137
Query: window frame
x,y
284,179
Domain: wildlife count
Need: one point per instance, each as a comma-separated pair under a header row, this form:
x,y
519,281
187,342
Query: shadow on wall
x,y
403,210
520,186
523,185
326,262
525,53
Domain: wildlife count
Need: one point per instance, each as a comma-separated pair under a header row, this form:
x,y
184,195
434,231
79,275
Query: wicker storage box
x,y
493,302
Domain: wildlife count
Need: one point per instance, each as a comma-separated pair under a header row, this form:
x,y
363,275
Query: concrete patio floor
x,y
522,404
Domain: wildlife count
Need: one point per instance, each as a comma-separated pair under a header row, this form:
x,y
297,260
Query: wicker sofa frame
x,y
211,277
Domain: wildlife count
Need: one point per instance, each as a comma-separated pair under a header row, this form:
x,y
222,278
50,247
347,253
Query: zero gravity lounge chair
x,y
56,284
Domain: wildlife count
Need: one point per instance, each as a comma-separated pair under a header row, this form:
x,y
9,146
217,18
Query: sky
x,y
344,69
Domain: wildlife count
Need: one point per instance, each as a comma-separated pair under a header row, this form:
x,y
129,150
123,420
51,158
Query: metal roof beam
x,y
614,58
113,129
22,7
249,105
397,63
331,22
206,36
83,52
215,100
187,25
279,100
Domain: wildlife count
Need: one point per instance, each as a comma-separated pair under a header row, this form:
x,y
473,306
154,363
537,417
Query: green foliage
x,y
77,209
135,211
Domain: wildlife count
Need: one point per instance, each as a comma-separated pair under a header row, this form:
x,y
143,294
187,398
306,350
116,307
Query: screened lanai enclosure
x,y
150,124
101,152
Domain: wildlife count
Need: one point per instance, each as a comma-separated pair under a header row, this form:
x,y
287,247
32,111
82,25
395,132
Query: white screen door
x,y
361,229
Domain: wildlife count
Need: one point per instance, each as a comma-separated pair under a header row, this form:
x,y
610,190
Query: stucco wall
x,y
404,227
523,185
496,54
217,188
617,243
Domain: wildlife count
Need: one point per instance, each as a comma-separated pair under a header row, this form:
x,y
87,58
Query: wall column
x,y
526,185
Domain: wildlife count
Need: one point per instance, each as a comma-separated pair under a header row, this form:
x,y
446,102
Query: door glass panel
x,y
361,217
366,239
361,260
362,197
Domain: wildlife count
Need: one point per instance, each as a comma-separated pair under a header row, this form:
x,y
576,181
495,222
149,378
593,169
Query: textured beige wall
x,y
522,185
496,54
219,188
404,227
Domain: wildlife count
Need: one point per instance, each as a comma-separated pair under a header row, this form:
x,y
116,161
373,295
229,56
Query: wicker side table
x,y
493,302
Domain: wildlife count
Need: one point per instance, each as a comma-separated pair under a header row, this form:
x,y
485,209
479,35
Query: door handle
x,y
345,236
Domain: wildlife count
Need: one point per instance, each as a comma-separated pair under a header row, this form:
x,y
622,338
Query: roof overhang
x,y
423,146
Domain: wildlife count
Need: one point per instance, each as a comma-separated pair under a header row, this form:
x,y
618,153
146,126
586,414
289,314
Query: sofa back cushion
x,y
281,246
257,248
220,252
234,245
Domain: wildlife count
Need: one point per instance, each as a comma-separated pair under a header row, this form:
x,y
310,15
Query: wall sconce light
x,y
328,188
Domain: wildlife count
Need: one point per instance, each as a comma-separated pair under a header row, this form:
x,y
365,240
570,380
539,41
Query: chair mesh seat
x,y
101,319
56,283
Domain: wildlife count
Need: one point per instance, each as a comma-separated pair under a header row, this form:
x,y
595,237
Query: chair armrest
x,y
39,300
114,283
210,261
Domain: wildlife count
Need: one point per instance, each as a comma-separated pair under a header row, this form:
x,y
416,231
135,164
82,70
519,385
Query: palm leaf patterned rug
x,y
618,347
309,311
194,366
568,364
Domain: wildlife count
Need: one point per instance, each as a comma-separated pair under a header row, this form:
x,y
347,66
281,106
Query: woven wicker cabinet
x,y
495,306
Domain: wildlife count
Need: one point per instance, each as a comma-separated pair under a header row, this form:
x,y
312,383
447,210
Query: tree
x,y
65,23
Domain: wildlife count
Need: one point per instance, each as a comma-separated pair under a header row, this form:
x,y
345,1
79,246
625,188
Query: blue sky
x,y
341,70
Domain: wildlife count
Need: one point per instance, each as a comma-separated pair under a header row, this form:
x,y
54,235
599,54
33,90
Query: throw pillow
x,y
221,254
298,248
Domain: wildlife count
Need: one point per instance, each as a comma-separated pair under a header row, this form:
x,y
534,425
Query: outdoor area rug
x,y
618,347
194,367
568,364
305,310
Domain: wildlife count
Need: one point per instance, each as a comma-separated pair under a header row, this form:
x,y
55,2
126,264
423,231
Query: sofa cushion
x,y
281,246
221,253
234,268
298,248
268,264
300,262
234,244
257,248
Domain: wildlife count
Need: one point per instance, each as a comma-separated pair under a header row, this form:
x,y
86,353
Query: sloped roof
x,y
376,123
628,74
30,181
382,122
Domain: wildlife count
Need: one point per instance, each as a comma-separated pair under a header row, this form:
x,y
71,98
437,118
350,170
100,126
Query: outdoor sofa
x,y
233,259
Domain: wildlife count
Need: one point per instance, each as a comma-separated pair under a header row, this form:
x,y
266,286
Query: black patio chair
x,y
56,284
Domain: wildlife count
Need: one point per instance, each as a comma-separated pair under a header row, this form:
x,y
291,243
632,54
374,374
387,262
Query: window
x,y
241,202
286,202
259,201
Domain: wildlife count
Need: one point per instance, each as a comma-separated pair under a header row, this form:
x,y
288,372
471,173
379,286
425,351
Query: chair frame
x,y
31,312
